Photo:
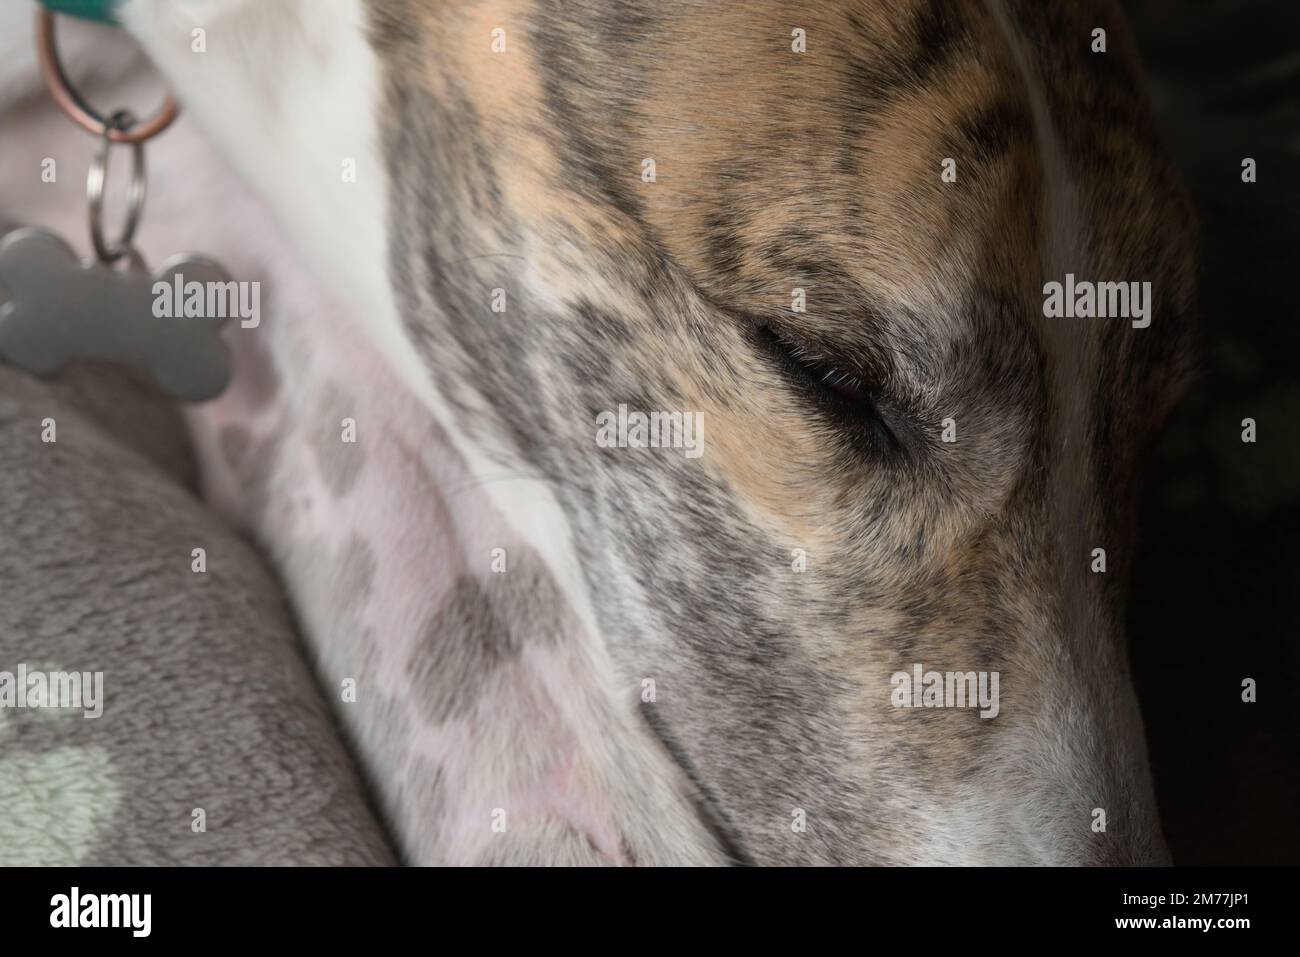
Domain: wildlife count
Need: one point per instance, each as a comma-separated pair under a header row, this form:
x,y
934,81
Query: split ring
x,y
106,252
72,103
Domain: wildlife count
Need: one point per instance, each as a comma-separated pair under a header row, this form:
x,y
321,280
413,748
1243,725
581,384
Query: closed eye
x,y
842,383
844,396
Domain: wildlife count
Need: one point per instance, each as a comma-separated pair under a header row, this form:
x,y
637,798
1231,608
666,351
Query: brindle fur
x,y
522,170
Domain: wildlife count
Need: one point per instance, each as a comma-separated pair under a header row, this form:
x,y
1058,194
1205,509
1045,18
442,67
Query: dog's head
x,y
809,243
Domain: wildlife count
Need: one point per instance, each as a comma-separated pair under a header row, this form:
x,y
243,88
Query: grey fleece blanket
x,y
213,744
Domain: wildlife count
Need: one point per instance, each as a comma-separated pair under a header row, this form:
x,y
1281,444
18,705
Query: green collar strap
x,y
101,10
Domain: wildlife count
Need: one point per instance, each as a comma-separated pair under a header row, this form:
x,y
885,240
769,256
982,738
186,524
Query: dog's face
x,y
740,213
828,536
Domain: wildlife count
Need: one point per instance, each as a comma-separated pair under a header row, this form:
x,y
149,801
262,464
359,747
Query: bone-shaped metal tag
x,y
60,309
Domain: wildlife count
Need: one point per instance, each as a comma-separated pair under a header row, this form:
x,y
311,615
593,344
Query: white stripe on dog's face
x,y
288,92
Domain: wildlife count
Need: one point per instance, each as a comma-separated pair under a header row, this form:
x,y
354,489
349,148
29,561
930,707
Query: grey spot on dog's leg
x,y
251,461
462,645
339,462
355,573
528,597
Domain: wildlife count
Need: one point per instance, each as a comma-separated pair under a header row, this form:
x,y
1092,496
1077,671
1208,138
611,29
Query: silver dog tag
x,y
60,309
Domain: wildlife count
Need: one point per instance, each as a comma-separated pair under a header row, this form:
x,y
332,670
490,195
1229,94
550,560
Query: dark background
x,y
1217,578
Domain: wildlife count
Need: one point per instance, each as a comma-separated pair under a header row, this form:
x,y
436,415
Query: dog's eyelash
x,y
827,372
847,399
841,381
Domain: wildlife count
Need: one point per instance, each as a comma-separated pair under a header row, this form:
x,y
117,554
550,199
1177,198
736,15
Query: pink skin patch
x,y
401,501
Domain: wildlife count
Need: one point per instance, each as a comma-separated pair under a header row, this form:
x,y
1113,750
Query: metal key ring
x,y
122,119
72,103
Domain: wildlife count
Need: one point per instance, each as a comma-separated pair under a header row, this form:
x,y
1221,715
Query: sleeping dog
x,y
827,230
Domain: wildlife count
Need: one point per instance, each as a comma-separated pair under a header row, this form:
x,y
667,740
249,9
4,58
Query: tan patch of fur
x,y
728,93
779,470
